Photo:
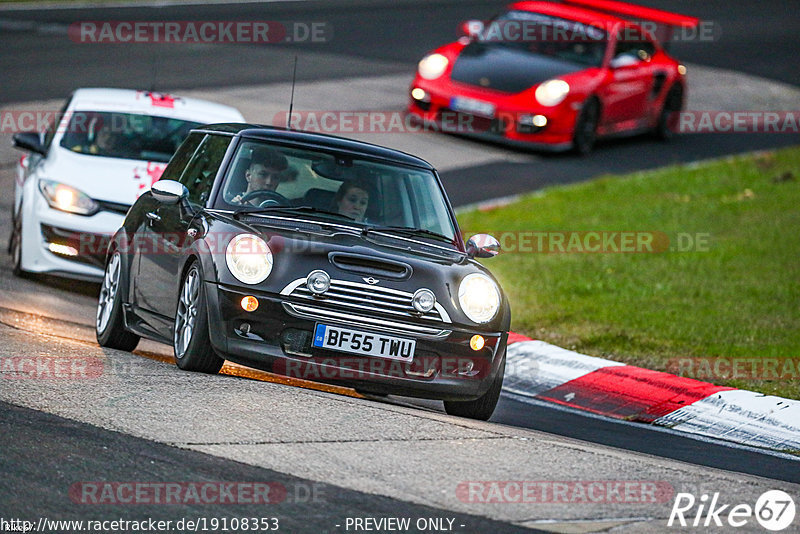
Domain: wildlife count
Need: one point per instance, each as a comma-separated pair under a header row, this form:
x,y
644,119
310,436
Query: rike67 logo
x,y
774,510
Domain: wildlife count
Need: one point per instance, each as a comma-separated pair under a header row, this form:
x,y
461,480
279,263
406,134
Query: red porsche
x,y
556,76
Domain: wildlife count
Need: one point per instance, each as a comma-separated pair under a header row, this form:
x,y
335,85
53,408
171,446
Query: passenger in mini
x,y
352,199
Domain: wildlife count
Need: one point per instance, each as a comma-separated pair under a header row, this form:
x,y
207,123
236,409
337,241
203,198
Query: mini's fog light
x,y
476,342
318,282
424,300
539,121
249,303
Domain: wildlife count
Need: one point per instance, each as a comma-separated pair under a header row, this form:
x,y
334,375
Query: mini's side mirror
x,y
169,191
31,141
471,28
483,246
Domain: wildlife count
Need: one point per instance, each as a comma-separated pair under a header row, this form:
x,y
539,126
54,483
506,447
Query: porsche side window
x,y
178,162
632,43
202,169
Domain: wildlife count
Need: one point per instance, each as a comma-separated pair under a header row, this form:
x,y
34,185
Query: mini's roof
x,y
152,103
312,139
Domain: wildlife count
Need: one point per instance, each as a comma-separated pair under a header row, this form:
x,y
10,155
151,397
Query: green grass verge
x,y
734,301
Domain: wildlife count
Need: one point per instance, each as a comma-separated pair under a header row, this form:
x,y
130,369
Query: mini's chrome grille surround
x,y
366,297
369,304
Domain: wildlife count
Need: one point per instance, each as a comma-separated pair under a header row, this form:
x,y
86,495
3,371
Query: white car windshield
x,y
125,135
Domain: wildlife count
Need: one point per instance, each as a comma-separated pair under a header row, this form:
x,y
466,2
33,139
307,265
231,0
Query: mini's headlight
x,y
424,300
552,92
479,297
249,258
432,66
66,198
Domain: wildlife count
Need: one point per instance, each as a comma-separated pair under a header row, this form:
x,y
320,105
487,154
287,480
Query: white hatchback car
x,y
78,179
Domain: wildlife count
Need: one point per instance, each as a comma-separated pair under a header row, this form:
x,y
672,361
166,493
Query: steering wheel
x,y
271,198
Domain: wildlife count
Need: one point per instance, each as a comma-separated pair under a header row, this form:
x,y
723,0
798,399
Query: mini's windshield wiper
x,y
293,209
405,230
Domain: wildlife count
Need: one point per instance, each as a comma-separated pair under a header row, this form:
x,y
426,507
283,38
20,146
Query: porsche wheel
x,y
586,127
482,407
191,343
667,125
109,323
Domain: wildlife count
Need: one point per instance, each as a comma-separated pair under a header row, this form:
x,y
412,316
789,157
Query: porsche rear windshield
x,y
337,188
536,33
125,135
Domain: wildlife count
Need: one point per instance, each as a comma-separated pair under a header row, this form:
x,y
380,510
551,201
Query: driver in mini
x,y
265,172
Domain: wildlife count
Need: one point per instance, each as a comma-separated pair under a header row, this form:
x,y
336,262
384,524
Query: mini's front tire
x,y
190,342
483,407
109,323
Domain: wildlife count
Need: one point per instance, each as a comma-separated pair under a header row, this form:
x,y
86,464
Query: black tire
x,y
668,118
483,407
109,323
585,135
15,248
191,344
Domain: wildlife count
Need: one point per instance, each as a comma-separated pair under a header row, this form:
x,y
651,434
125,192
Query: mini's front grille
x,y
364,298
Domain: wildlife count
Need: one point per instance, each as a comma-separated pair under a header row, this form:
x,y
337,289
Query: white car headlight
x,y
432,66
66,198
249,258
552,92
479,297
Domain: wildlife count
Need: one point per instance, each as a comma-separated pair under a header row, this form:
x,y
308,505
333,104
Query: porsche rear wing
x,y
659,24
634,12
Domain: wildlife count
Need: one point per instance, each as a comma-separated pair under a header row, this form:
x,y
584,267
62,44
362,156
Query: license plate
x,y
472,106
364,343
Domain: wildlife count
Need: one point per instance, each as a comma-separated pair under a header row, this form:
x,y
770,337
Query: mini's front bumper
x,y
276,338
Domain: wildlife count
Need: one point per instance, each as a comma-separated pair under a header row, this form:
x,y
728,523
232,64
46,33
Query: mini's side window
x,y
181,157
202,169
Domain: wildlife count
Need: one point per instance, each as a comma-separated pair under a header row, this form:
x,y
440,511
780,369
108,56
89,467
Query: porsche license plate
x,y
364,343
472,106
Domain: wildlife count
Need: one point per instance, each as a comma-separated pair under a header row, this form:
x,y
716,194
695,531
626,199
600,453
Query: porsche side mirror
x,y
169,191
482,246
31,141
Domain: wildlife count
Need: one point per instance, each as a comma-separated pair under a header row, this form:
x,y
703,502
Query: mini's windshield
x,y
536,33
336,188
125,135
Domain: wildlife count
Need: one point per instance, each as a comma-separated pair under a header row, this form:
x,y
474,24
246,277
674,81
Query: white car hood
x,y
102,178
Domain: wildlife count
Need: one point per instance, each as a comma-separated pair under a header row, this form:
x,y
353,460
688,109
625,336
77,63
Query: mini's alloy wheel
x,y
191,343
109,323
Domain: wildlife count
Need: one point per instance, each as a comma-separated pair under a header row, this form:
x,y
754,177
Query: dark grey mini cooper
x,y
311,256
